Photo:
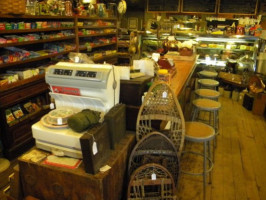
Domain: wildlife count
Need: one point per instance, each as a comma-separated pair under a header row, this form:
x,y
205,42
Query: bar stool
x,y
212,107
208,74
208,83
201,133
207,93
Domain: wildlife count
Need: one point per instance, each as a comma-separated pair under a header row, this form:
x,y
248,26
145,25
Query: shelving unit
x,y
17,137
103,33
34,59
36,41
123,54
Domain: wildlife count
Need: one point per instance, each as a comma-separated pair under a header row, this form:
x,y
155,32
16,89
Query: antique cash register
x,y
75,87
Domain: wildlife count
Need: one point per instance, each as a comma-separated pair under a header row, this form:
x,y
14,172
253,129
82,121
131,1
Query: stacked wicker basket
x,y
17,7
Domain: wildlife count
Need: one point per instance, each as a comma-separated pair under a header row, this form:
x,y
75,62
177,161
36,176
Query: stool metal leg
x,y
209,155
204,169
195,114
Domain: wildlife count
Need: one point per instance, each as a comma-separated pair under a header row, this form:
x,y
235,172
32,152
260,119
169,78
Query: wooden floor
x,y
240,159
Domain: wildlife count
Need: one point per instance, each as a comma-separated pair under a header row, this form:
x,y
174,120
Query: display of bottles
x,y
68,8
30,7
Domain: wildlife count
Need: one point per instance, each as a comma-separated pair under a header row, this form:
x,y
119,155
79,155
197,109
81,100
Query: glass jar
x,y
163,75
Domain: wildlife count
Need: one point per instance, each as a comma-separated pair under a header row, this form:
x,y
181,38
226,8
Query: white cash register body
x,y
76,86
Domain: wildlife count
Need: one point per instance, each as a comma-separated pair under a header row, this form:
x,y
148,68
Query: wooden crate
x,y
48,182
132,90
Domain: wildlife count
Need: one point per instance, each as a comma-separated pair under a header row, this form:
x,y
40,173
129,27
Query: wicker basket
x,y
17,7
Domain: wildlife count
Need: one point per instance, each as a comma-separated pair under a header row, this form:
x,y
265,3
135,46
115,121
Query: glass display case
x,y
214,50
219,50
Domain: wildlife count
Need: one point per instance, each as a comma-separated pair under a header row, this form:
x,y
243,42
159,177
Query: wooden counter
x,y
184,71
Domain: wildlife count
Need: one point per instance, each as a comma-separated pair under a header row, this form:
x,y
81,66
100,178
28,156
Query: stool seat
x,y
207,93
199,132
208,74
207,104
208,82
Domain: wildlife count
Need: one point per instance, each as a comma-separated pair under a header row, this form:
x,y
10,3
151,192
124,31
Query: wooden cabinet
x,y
16,134
28,42
98,38
62,183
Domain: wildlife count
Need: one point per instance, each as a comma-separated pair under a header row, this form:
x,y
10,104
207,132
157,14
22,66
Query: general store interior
x,y
132,99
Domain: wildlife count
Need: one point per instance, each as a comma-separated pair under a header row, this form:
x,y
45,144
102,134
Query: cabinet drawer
x,y
22,94
20,133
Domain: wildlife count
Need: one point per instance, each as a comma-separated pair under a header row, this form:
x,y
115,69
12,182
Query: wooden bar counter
x,y
183,74
48,182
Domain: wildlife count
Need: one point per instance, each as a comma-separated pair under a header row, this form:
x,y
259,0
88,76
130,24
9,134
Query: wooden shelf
x,y
22,82
97,27
14,31
97,18
223,49
36,114
34,59
122,55
96,46
99,34
36,41
105,57
35,17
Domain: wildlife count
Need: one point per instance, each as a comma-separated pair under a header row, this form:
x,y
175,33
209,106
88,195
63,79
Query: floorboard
x,y
239,171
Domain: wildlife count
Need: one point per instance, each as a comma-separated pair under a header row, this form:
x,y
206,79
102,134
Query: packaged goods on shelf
x,y
3,40
9,116
10,77
22,74
17,111
14,54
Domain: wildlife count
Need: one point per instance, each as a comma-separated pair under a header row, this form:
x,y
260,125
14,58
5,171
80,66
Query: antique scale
x,y
76,87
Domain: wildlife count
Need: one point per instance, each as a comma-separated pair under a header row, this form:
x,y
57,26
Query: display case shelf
x,y
36,41
99,34
105,57
35,17
14,31
96,46
21,83
5,65
96,27
97,18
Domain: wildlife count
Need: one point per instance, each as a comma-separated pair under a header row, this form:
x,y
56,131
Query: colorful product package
x,y
9,116
17,111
